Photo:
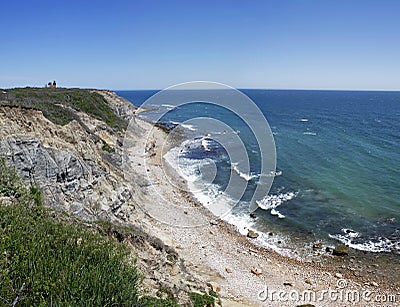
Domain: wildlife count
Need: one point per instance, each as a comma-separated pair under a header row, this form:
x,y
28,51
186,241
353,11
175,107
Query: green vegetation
x,y
201,300
107,148
57,263
59,105
48,260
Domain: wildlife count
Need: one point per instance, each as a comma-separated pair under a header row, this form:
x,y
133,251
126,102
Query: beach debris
x,y
256,271
308,281
341,250
213,222
288,283
317,245
252,234
228,270
214,286
253,215
306,305
375,284
270,233
338,275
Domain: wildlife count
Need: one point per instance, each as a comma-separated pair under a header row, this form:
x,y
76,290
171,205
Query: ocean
x,y
337,175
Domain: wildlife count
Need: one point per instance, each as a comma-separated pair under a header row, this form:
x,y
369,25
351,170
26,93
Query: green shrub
x,y
201,300
58,104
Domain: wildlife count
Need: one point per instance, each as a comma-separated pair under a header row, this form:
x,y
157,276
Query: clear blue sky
x,y
329,44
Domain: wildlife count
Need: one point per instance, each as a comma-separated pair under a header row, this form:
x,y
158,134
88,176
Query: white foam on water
x,y
206,143
309,133
277,213
376,246
304,120
351,233
244,223
271,202
185,126
186,168
189,127
168,106
219,203
247,177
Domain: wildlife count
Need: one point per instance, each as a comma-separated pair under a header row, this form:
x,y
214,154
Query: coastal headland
x,y
70,143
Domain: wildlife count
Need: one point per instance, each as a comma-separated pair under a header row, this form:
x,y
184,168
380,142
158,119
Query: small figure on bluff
x,y
52,85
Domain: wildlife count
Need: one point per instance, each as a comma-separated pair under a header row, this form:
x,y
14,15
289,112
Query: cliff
x,y
69,144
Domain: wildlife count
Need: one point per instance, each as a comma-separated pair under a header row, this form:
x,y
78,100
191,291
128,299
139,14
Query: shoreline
x,y
216,252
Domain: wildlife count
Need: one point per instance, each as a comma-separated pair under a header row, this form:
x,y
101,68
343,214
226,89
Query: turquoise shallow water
x,y
339,154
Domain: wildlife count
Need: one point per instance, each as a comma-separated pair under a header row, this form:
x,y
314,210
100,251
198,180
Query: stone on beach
x,y
341,250
214,286
252,234
317,245
256,271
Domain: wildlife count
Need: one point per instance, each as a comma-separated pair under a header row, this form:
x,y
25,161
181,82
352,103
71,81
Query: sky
x,y
272,44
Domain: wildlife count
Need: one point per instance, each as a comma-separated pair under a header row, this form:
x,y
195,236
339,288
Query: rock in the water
x,y
341,250
252,234
253,215
256,271
288,284
214,286
306,305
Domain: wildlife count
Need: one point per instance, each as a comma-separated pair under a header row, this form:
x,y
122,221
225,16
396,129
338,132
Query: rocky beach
x,y
110,167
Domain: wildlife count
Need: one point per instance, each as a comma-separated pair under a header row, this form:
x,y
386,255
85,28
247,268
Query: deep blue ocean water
x,y
338,157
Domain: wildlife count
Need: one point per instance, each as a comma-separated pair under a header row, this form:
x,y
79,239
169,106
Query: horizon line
x,y
238,88
282,89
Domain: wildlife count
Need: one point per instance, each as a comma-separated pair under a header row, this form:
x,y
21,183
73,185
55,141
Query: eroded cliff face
x,y
77,166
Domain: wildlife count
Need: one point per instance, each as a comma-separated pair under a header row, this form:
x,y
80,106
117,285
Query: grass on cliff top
x,y
55,104
48,262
